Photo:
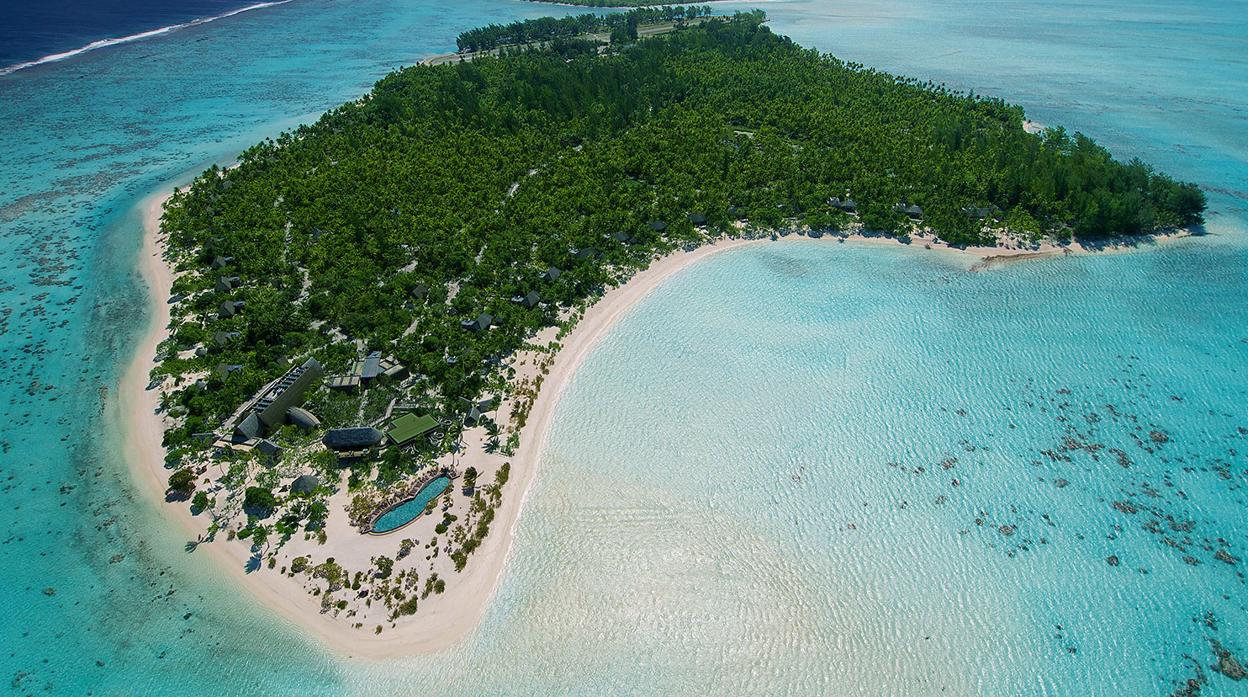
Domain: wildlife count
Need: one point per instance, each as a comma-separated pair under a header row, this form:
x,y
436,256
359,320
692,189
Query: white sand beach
x,y
446,619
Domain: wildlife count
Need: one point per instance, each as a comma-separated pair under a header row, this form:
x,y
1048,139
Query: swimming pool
x,y
410,510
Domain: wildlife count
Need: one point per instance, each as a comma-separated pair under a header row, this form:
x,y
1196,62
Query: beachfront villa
x,y
478,409
270,452
911,211
551,275
983,213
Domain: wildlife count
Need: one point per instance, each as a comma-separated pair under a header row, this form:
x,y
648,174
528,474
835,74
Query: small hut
x,y
304,484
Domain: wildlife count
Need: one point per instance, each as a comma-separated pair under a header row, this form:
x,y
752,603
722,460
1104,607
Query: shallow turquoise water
x,y
733,496
411,509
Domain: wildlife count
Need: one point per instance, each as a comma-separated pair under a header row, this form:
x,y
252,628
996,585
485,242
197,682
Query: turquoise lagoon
x,y
751,484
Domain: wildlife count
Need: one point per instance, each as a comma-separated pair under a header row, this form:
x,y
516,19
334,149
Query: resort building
x,y
366,370
303,418
304,484
269,451
273,405
529,301
352,443
220,262
912,211
483,322
984,213
248,429
697,218
658,226
229,308
226,284
409,427
848,205
551,275
224,370
478,409
586,252
223,338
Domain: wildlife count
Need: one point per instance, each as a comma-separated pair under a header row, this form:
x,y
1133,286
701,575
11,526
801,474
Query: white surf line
x,y
55,57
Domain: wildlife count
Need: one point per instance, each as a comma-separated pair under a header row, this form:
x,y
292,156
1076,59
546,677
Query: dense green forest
x,y
610,3
448,190
620,27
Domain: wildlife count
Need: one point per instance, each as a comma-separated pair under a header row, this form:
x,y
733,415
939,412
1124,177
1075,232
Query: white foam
x,y
135,37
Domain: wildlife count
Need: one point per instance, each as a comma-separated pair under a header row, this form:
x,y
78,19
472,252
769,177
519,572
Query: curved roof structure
x,y
352,438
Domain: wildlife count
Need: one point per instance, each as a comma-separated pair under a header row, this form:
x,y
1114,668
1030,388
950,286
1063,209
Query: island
x,y
610,3
361,329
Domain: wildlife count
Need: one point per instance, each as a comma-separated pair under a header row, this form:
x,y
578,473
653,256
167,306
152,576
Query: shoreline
x,y
458,613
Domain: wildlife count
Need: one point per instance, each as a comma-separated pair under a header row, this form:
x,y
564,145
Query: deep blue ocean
x,y
33,30
757,500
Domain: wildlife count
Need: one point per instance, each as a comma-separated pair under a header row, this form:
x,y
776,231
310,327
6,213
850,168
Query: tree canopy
x,y
447,192
531,31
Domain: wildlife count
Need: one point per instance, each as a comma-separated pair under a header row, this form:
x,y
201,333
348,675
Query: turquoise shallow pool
x,y
411,509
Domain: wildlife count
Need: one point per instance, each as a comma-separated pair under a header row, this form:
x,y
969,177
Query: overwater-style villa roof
x,y
357,438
